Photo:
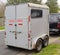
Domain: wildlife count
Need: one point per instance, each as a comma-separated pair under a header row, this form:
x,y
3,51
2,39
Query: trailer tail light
x,y
28,36
5,33
29,40
29,33
28,18
58,25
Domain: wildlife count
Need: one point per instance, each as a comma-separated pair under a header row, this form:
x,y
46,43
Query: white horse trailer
x,y
27,26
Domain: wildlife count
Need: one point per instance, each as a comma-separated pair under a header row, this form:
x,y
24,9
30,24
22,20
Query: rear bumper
x,y
20,47
52,31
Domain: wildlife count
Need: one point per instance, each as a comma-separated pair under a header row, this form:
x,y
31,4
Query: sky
x,y
46,0
42,1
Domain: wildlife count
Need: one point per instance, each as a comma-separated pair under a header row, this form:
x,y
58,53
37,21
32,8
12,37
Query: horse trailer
x,y
27,26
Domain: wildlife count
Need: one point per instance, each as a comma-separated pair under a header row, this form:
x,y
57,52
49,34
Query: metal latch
x,y
19,32
12,31
15,24
15,32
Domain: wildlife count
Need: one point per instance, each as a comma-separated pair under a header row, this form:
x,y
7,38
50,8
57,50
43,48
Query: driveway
x,y
54,40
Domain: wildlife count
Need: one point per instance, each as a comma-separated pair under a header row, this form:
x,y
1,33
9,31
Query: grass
x,y
59,38
52,49
1,28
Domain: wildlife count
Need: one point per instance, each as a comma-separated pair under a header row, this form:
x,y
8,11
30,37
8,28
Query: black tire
x,y
59,32
38,45
9,46
46,41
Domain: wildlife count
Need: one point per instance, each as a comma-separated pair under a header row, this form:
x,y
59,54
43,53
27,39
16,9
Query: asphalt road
x,y
4,50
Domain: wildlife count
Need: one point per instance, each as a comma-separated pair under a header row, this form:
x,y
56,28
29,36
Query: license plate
x,y
54,30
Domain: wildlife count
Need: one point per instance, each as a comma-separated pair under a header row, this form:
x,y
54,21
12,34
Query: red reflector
x,y
5,33
19,20
28,35
15,20
29,39
28,18
11,20
10,24
20,24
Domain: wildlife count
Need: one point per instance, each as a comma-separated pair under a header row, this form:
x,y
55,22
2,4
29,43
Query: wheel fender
x,y
34,40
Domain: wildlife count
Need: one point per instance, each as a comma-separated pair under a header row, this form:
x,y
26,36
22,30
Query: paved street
x,y
4,50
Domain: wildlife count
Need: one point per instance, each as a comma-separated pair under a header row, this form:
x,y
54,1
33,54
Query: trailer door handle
x,y
19,32
12,31
15,32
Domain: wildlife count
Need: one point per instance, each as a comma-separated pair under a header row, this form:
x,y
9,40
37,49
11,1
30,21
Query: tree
x,y
16,1
23,1
36,1
53,6
2,9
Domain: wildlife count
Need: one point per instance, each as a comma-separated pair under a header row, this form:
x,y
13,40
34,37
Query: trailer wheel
x,y
9,46
38,45
46,41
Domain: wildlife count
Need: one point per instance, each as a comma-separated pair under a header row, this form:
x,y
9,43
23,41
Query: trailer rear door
x,y
22,26
10,25
17,25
